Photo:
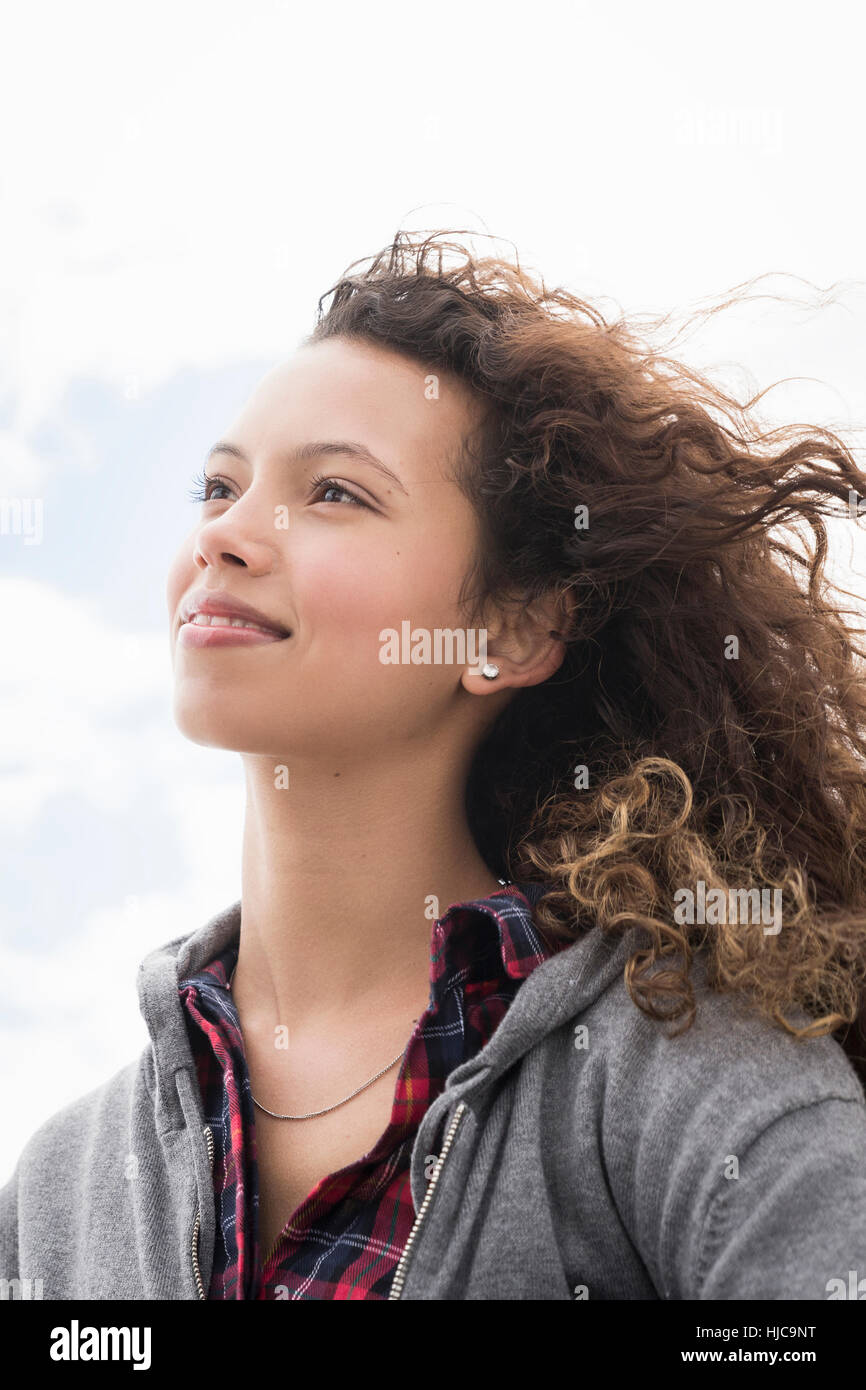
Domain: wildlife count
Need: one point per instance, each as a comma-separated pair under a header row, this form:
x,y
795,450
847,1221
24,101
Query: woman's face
x,y
332,564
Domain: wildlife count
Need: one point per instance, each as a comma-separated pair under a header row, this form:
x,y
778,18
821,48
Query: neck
x,y
343,875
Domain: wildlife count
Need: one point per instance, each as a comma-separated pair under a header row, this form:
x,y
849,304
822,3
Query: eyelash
x,y
203,483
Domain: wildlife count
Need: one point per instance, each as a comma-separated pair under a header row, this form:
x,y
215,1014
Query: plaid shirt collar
x,y
496,931
496,934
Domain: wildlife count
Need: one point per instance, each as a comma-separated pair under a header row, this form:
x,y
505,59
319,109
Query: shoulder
x,y
103,1114
729,1049
67,1213
734,1153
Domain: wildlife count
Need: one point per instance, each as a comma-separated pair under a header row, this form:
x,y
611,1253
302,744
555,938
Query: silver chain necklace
x,y
314,1113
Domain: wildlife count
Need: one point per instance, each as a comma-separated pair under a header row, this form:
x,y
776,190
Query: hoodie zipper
x,y
400,1272
196,1269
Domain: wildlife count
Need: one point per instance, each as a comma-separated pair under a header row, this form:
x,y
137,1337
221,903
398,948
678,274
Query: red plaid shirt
x,y
346,1237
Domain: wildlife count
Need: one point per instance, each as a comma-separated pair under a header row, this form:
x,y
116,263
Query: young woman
x,y
546,975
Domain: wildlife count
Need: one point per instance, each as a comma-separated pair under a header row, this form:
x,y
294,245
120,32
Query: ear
x,y
523,644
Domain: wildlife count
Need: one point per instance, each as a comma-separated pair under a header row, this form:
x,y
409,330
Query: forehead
x,y
402,410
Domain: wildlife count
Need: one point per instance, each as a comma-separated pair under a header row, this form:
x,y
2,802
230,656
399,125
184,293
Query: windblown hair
x,y
712,689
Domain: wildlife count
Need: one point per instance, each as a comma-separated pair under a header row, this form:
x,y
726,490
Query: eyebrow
x,y
315,448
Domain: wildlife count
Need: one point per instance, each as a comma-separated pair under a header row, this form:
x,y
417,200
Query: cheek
x,y
353,594
354,607
181,575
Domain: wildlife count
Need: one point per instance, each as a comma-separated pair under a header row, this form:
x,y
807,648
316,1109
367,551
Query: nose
x,y
235,539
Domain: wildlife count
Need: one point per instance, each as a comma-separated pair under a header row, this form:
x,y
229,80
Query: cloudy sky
x,y
178,185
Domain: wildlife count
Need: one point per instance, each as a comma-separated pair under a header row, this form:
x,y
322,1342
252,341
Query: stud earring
x,y
489,671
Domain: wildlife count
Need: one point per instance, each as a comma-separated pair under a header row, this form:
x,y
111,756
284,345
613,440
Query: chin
x,y
207,722
203,722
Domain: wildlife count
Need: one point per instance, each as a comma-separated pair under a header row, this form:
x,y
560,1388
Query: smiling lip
x,y
194,635
228,632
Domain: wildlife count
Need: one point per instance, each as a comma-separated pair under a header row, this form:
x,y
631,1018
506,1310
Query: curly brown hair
x,y
710,699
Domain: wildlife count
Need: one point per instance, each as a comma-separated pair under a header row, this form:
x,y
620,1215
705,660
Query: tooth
x,y
217,620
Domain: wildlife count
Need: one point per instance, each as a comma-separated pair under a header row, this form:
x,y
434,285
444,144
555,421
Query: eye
x,y
203,486
319,484
205,489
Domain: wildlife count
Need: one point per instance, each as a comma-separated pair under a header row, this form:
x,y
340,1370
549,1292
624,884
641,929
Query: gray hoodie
x,y
582,1154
